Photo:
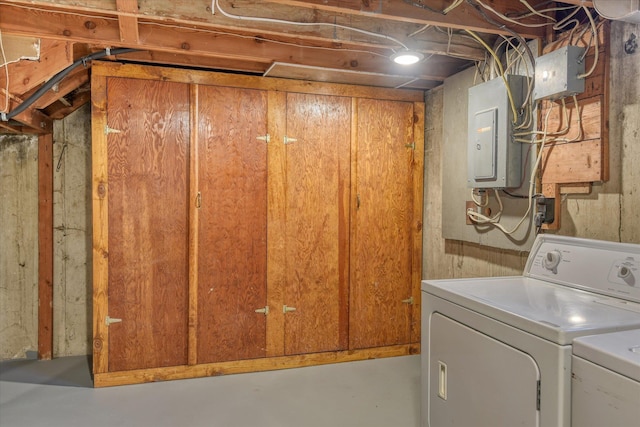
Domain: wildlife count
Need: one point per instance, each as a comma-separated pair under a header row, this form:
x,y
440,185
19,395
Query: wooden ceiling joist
x,y
185,15
463,17
209,43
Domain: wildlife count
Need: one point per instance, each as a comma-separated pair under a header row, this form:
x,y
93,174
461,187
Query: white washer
x,y
605,380
497,351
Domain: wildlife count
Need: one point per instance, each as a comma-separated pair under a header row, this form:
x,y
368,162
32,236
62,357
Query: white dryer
x,y
497,351
605,380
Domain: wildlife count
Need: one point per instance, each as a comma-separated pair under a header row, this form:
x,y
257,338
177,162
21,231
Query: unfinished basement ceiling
x,y
340,41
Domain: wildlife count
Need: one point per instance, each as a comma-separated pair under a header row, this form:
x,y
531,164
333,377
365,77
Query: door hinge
x,y
266,138
109,320
288,140
264,310
408,301
108,130
287,309
198,200
538,396
412,145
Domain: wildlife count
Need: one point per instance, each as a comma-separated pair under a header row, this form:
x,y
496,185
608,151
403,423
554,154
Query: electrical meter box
x,y
494,158
557,73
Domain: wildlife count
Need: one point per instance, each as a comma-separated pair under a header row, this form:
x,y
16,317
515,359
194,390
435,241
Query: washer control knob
x,y
551,260
624,272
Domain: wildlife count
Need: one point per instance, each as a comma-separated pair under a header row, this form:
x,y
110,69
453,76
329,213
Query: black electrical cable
x,y
5,117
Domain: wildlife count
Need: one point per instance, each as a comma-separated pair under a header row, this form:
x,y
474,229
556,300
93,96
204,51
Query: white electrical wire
x,y
535,12
513,21
453,5
5,64
595,44
216,4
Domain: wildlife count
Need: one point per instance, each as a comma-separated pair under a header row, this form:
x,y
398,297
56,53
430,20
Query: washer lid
x,y
553,312
617,351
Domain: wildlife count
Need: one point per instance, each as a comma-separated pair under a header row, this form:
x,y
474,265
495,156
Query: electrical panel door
x,y
494,157
484,164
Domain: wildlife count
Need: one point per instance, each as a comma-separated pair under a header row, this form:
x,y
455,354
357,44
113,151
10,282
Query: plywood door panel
x,y
148,158
232,237
382,225
317,194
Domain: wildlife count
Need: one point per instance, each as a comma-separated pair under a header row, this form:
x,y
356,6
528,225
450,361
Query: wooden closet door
x,y
232,232
381,225
148,164
317,218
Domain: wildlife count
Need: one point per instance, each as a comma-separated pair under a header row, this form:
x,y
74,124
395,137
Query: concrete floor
x,y
383,392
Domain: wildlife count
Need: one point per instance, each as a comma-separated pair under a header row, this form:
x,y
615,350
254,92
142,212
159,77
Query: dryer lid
x,y
553,312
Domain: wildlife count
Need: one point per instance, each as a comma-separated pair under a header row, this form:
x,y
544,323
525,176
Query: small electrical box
x,y
494,159
557,73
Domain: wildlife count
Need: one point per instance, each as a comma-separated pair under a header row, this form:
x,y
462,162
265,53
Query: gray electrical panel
x,y
494,158
557,73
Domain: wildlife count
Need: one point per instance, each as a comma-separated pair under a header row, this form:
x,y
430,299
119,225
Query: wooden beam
x,y
218,43
59,110
71,82
128,24
45,246
463,17
33,120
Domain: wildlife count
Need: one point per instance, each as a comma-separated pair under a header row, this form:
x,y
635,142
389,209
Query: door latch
x,y
109,320
264,310
108,130
408,301
287,309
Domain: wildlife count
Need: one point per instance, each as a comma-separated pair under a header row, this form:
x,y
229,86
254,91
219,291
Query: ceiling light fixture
x,y
407,57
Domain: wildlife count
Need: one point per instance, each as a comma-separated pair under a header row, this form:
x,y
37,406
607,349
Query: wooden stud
x,y
128,24
100,198
418,191
45,247
276,215
193,228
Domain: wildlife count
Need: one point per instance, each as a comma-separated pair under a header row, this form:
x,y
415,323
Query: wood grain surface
x,y
317,191
232,232
148,160
381,234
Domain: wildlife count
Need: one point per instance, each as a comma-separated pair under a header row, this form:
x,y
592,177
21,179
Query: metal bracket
x,y
408,301
288,140
286,309
109,320
108,130
264,310
266,138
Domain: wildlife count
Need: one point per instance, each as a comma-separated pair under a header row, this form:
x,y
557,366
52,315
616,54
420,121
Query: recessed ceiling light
x,y
407,57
